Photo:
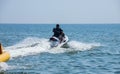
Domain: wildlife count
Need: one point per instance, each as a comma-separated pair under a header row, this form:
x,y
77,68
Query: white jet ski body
x,y
55,42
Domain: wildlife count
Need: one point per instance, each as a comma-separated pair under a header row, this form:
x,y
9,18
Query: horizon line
x,y
58,23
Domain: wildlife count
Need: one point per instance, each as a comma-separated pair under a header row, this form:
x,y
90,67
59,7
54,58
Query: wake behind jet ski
x,y
59,38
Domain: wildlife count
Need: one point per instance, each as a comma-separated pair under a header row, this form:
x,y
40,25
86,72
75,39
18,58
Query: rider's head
x,y
57,25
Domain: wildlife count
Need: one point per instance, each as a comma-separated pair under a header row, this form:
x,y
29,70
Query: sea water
x,y
93,49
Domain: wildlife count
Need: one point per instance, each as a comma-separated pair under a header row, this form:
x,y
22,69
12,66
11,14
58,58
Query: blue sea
x,y
93,49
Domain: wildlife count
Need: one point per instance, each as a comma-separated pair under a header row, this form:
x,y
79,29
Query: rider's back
x,y
57,31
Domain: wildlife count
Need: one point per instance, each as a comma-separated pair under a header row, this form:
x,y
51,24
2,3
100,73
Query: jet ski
x,y
56,42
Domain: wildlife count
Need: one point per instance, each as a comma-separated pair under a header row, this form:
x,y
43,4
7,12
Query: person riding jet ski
x,y
59,39
57,31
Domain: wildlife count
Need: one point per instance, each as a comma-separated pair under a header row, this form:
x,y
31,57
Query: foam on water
x,y
33,45
29,46
82,46
75,46
3,66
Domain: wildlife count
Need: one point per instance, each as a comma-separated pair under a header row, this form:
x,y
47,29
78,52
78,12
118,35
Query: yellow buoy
x,y
4,55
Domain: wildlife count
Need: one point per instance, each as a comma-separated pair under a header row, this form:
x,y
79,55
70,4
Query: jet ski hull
x,y
55,42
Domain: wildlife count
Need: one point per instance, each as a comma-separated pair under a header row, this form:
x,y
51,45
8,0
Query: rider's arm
x,y
53,29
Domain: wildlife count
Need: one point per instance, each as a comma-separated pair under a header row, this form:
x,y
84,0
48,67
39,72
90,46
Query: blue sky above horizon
x,y
60,11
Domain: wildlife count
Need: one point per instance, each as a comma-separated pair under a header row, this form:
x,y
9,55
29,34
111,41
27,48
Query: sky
x,y
60,11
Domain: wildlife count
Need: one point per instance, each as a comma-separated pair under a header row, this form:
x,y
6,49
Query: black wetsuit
x,y
57,32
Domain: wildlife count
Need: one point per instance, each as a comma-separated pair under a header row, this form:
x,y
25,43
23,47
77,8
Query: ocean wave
x,y
3,66
34,45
